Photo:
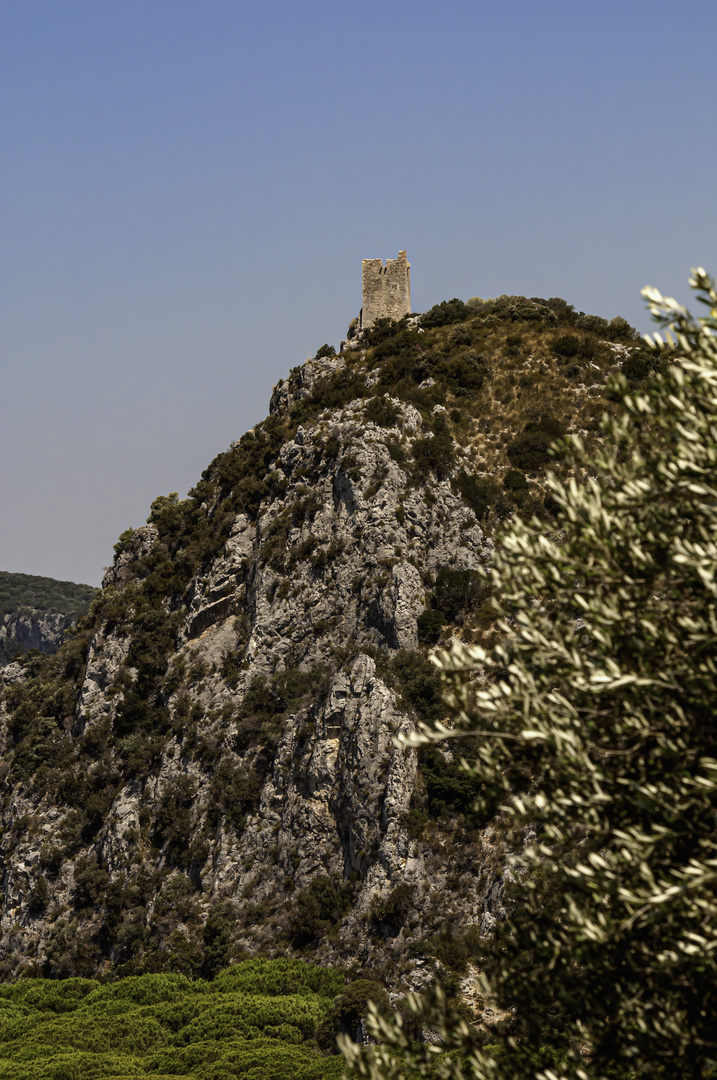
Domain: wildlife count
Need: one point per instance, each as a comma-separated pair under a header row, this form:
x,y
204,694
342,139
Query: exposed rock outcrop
x,y
337,566
219,740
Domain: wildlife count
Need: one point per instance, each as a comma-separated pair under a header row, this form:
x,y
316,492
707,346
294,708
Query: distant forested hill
x,y
35,611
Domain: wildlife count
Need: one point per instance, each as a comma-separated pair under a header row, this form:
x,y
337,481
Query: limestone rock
x,y
259,752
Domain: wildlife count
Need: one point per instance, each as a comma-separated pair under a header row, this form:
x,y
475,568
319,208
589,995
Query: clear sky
x,y
187,189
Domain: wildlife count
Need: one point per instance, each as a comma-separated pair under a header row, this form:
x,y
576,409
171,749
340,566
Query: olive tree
x,y
597,725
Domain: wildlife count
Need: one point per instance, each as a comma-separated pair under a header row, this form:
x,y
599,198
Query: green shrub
x,y
620,330
51,859
414,822
236,787
453,951
635,368
457,592
390,912
70,951
448,311
39,895
530,451
216,938
318,907
564,312
174,820
268,701
462,335
332,447
154,635
430,624
350,1008
325,350
478,492
382,330
416,680
464,374
399,343
639,364
279,976
583,346
382,411
449,789
520,308
332,392
593,323
91,880
435,454
515,481
248,494
176,898
567,345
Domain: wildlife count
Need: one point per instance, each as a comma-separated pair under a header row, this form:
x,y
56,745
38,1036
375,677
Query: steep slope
x,y
36,611
208,766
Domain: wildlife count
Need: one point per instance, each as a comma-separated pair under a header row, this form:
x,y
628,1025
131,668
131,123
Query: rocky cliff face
x,y
210,765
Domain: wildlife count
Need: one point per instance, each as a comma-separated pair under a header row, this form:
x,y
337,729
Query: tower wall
x,y
385,290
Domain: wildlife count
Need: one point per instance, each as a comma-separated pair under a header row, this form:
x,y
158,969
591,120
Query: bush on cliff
x,y
318,907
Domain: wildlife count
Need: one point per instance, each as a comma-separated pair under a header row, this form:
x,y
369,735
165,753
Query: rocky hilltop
x,y
209,766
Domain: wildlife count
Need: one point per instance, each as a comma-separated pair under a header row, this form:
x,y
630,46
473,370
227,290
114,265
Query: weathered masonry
x,y
385,290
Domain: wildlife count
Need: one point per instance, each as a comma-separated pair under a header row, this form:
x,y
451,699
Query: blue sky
x,y
188,188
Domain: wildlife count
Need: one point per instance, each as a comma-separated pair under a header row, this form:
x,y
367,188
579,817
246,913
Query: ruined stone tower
x,y
385,290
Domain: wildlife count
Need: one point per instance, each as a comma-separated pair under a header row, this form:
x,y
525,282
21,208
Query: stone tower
x,y
385,290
